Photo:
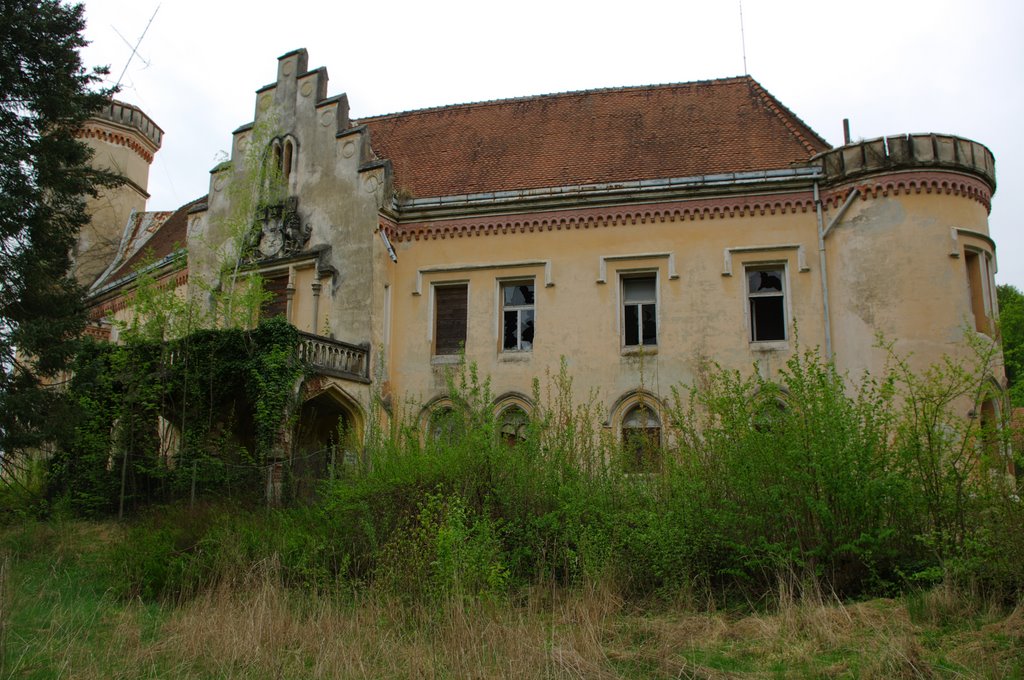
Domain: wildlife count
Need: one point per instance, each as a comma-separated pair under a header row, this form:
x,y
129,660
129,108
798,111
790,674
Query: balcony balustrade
x,y
335,358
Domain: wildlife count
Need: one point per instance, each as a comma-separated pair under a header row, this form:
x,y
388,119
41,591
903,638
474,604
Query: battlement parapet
x,y
130,116
907,152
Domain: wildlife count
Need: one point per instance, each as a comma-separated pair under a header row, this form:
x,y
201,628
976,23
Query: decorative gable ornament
x,y
278,231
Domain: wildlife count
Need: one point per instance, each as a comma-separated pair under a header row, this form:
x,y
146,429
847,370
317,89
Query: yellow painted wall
x,y
702,313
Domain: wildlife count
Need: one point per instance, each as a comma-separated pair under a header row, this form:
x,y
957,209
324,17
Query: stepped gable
x,y
172,234
593,136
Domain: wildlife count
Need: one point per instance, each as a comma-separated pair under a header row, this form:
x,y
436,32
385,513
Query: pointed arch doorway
x,y
328,432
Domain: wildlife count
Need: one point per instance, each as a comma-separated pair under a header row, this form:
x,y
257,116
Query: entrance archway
x,y
328,432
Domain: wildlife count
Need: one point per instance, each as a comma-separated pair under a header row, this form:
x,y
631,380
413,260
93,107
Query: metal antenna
x,y
743,40
135,49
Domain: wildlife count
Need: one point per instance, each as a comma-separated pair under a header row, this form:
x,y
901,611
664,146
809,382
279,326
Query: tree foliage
x,y
45,97
1011,325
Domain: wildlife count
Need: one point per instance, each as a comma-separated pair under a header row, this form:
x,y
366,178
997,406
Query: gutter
x,y
649,189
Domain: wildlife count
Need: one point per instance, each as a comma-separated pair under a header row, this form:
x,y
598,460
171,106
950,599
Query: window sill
x,y
445,359
637,350
769,346
514,356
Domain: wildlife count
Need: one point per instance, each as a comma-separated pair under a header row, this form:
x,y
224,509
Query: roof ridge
x,y
786,117
552,95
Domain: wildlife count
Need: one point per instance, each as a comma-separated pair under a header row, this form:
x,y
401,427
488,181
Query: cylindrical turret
x,y
123,140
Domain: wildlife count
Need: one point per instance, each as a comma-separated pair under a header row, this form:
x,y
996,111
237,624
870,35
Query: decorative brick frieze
x,y
602,217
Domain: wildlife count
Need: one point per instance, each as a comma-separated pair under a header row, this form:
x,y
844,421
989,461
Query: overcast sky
x,y
890,66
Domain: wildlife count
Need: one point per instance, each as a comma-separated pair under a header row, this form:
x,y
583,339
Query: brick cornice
x,y
915,182
118,138
558,220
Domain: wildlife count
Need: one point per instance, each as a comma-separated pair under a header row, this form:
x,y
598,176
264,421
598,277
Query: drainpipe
x,y
846,204
823,232
824,272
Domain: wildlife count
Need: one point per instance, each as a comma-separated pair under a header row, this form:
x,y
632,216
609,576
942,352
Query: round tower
x,y
909,252
123,140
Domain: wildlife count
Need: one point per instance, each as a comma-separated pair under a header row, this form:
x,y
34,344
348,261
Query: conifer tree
x,y
46,94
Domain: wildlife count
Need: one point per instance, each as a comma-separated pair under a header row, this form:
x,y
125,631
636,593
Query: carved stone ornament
x,y
278,231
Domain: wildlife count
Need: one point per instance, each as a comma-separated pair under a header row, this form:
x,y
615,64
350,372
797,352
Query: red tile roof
x,y
595,136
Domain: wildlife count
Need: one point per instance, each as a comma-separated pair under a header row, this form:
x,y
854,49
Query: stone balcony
x,y
335,358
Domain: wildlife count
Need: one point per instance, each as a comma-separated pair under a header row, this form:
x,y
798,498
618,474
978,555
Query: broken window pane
x,y
517,316
767,303
513,422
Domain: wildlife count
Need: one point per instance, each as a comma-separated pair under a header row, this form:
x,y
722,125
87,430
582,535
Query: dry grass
x,y
59,624
263,631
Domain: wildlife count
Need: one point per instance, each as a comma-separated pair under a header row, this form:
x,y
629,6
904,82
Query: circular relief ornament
x,y
306,89
372,183
327,117
348,150
265,102
242,142
219,183
287,67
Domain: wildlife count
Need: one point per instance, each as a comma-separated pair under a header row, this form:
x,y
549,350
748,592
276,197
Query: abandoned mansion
x,y
633,231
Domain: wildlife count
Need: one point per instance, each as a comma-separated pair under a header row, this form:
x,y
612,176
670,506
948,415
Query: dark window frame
x,y
639,317
767,315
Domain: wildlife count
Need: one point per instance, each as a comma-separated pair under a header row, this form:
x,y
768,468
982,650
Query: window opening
x,y
768,414
277,302
443,426
512,423
639,307
976,290
767,301
641,440
450,318
517,316
277,156
288,149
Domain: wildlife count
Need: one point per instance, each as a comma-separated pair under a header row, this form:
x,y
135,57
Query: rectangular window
x,y
277,302
517,314
639,310
767,300
976,279
450,318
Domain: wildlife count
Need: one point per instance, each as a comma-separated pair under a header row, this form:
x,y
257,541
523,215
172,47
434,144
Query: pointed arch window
x,y
641,439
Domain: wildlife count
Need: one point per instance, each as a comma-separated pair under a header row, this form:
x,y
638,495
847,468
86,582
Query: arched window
x,y
443,425
512,424
288,152
768,412
276,150
641,439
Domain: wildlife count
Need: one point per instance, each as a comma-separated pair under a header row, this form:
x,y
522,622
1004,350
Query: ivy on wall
x,y
154,419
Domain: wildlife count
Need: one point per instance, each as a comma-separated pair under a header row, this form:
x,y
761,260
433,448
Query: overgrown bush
x,y
223,393
861,488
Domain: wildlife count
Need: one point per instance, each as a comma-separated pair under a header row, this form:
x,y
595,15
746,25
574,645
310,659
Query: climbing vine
x,y
154,419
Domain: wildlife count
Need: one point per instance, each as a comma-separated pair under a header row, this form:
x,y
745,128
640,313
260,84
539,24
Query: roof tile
x,y
594,136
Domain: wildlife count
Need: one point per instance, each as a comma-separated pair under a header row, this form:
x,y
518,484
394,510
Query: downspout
x,y
823,232
824,272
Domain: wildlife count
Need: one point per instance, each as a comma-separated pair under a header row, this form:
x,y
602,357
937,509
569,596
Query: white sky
x,y
891,67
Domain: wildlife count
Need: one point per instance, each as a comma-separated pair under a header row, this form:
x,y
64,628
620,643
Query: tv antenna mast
x,y
135,49
743,40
